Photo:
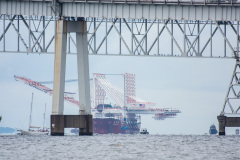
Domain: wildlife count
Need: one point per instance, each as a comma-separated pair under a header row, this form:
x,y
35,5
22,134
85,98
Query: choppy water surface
x,y
120,147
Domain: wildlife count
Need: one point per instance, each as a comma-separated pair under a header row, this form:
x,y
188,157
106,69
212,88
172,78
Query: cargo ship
x,y
110,120
107,119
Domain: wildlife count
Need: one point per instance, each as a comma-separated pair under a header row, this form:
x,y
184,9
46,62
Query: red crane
x,y
45,89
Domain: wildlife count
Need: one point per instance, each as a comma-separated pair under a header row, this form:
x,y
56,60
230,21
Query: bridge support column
x,y
83,68
58,120
59,67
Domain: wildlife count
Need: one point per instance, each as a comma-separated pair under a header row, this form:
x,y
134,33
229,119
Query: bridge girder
x,y
202,10
131,37
214,10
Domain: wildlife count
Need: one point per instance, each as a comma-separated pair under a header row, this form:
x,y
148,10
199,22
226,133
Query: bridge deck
x,y
212,10
167,2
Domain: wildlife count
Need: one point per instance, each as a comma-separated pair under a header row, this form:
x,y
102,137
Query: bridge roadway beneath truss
x,y
176,9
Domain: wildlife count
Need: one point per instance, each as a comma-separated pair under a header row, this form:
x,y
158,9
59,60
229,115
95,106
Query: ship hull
x,y
131,128
112,126
132,124
106,126
36,133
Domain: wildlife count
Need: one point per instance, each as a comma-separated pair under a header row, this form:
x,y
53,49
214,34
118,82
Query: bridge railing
x,y
168,2
173,2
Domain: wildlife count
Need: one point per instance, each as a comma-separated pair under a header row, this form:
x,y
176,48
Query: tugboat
x,y
213,129
144,131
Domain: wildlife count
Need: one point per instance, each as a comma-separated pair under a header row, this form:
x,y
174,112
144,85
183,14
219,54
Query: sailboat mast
x,y
44,116
30,120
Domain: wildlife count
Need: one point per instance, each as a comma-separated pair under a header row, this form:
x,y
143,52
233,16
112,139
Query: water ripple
x,y
114,147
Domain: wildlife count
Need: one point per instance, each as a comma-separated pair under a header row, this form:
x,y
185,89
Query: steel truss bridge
x,y
186,38
170,28
179,28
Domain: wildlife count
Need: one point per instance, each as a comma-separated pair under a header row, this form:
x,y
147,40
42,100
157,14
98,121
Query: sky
x,y
196,86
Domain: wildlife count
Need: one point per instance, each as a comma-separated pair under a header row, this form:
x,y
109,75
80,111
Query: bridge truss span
x,y
27,34
203,28
133,37
168,38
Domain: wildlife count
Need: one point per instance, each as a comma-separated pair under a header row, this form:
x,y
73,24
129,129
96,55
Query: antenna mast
x,y
30,120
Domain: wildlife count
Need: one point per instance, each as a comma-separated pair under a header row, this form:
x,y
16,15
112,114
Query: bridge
x,y
157,28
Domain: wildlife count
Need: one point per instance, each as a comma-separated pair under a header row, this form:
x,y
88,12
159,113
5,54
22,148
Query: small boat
x,y
33,130
144,131
237,131
213,129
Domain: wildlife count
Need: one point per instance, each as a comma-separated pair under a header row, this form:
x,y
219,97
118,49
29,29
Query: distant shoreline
x,y
7,130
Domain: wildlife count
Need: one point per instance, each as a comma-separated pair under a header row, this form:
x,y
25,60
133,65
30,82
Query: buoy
x,y
118,145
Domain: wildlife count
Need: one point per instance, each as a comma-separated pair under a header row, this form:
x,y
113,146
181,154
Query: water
x,y
124,147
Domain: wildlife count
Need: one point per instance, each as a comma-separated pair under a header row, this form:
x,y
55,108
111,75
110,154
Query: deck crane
x,y
45,89
115,93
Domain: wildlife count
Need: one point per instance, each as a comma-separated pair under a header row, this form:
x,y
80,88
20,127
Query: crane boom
x,y
45,89
139,108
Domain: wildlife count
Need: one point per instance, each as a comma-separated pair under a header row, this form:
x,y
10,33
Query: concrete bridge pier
x,y
227,122
221,122
58,120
